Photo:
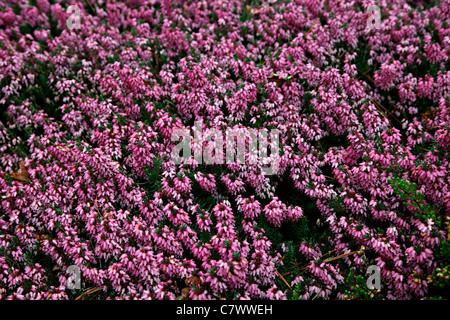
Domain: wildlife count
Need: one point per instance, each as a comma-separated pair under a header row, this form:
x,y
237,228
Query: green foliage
x,y
439,280
153,176
357,288
414,199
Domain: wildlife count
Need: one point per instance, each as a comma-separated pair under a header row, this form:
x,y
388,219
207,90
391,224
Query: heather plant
x,y
94,98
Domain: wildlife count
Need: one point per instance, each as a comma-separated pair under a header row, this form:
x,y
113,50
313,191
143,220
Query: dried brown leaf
x,y
192,281
22,174
184,294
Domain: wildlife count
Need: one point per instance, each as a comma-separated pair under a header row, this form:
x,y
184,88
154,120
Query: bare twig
x,y
284,280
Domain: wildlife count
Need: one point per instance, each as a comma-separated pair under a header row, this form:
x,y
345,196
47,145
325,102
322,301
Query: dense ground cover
x,y
87,179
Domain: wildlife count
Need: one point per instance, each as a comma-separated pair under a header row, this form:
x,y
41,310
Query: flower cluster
x,y
87,178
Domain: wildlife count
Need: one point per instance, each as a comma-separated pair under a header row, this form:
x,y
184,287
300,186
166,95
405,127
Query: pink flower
x,y
275,212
